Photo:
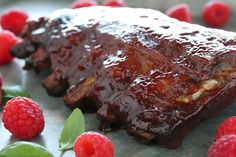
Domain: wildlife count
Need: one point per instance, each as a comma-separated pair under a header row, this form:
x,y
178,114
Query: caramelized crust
x,y
154,75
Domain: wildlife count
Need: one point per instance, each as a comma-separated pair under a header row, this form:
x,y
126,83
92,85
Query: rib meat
x,y
153,75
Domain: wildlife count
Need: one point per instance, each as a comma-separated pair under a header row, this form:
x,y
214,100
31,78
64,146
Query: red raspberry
x,y
223,147
23,118
216,13
115,3
83,3
14,21
180,12
7,40
227,127
92,144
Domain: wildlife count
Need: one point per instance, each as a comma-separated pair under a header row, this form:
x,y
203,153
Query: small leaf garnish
x,y
25,149
74,126
13,91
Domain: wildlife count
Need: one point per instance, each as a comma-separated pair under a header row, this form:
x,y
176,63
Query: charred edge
x,y
24,49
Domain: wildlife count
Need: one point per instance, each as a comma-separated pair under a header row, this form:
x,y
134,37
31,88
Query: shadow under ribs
x,y
154,75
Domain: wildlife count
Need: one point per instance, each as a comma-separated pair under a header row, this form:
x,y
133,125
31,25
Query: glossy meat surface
x,y
155,76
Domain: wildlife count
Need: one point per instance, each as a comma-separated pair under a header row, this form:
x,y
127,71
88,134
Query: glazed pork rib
x,y
153,75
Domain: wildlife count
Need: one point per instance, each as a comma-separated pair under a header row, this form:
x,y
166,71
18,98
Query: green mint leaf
x,y
13,91
74,126
25,149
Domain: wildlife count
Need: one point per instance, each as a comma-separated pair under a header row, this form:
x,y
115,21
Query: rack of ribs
x,y
150,74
